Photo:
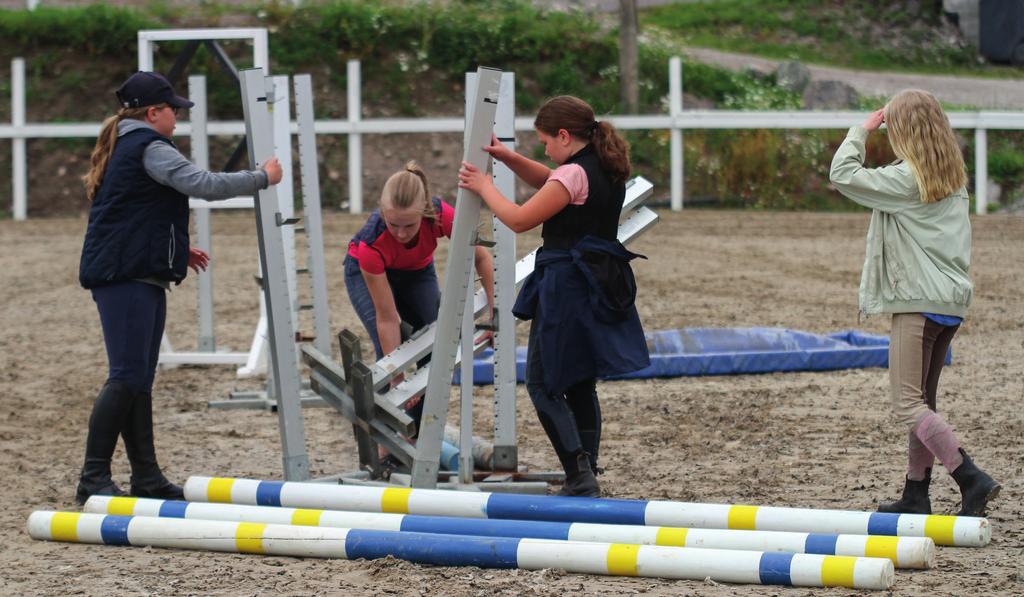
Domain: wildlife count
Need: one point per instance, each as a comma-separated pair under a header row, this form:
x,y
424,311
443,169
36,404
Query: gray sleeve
x,y
167,166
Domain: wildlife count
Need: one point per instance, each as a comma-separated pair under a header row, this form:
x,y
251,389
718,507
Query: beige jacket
x,y
918,254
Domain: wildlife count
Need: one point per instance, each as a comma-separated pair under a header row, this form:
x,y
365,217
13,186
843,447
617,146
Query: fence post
x,y
199,143
19,162
675,102
980,171
355,140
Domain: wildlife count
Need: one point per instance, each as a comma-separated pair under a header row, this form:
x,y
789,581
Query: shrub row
x,y
411,52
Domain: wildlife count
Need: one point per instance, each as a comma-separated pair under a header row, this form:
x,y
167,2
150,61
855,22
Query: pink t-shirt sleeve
x,y
574,179
370,259
447,219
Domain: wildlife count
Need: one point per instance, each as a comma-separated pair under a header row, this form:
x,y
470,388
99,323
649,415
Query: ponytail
x,y
406,188
612,151
577,117
104,148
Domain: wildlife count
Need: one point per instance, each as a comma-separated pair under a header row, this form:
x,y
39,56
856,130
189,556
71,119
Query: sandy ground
x,y
794,439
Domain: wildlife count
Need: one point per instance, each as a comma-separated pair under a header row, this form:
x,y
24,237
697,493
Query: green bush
x,y
1006,166
420,52
445,41
95,30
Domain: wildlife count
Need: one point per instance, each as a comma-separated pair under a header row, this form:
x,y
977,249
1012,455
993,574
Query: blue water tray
x,y
731,351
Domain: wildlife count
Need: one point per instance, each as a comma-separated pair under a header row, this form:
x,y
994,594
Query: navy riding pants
x,y
132,315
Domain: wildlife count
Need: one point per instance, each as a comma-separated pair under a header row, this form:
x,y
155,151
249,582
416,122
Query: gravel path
x,y
993,94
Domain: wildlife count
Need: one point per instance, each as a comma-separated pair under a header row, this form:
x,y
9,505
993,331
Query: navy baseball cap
x,y
149,89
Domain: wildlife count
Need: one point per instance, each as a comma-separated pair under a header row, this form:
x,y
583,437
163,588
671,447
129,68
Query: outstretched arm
x,y
166,165
388,322
548,201
529,171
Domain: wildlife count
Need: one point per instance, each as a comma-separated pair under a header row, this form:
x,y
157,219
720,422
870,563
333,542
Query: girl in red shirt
x,y
389,270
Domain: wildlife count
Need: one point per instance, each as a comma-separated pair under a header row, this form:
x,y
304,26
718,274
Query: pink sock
x,y
938,437
919,460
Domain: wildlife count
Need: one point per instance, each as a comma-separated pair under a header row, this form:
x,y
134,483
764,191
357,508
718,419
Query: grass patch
x,y
863,34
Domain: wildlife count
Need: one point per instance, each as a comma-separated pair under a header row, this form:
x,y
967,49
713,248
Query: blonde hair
x,y
920,134
104,148
406,188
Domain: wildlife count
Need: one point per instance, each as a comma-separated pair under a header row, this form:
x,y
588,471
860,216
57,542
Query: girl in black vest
x,y
580,296
135,246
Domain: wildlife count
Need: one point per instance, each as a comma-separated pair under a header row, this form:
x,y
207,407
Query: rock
x,y
693,102
756,72
830,95
792,75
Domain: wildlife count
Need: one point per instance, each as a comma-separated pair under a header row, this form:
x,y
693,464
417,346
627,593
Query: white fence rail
x,y
676,121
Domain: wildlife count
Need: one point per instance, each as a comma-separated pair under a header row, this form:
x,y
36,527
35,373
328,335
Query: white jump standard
x,y
963,531
749,567
905,552
284,366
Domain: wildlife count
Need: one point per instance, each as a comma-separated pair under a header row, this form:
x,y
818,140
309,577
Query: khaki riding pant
x,y
917,352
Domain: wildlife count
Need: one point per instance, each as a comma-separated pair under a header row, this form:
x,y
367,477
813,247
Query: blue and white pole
x,y
749,567
962,531
905,552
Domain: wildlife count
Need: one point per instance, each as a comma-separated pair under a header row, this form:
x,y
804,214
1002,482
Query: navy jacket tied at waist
x,y
583,301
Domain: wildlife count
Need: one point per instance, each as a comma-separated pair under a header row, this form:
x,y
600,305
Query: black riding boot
x,y
977,489
109,412
915,498
147,479
591,440
579,479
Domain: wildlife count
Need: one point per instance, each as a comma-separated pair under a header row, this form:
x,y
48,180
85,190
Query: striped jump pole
x,y
964,531
905,552
684,563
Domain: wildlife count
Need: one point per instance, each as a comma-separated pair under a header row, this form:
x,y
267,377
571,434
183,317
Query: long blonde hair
x,y
406,188
105,148
920,134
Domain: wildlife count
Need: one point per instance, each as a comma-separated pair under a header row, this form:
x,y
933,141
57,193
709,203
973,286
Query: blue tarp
x,y
731,351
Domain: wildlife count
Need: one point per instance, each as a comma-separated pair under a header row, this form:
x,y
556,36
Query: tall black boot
x,y
977,489
591,440
579,479
915,498
586,410
109,412
147,479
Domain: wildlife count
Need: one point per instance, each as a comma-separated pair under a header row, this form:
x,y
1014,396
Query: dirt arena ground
x,y
794,439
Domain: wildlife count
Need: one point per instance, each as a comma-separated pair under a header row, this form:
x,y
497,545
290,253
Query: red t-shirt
x,y
377,250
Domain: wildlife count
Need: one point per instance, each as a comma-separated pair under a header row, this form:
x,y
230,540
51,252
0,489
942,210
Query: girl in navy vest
x,y
581,294
136,245
389,269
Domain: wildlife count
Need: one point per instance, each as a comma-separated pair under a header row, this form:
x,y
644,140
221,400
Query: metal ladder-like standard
x,y
315,267
284,365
